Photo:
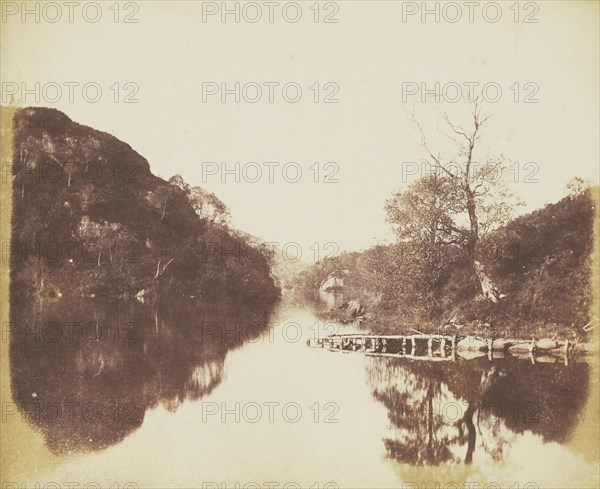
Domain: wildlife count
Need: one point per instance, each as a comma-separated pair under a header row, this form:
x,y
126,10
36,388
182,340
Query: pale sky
x,y
368,54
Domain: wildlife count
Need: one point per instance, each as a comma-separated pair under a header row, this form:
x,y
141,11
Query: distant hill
x,y
89,218
284,269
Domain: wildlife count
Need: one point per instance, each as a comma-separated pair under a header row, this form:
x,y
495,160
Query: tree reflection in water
x,y
445,413
85,372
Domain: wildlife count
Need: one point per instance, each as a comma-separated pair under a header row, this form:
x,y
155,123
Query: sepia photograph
x,y
301,244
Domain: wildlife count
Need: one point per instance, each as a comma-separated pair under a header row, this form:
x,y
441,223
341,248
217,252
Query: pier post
x,y
453,347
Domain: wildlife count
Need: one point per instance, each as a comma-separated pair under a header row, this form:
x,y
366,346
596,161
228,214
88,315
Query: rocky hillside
x,y
89,218
540,262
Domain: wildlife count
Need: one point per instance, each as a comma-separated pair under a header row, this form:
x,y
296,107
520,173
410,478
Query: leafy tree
x,y
577,186
206,204
160,197
101,235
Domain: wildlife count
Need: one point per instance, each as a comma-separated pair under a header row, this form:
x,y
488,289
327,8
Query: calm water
x,y
223,396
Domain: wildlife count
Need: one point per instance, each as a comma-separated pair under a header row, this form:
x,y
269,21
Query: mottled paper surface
x,y
299,244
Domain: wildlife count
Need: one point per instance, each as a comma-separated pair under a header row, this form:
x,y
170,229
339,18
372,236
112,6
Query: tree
x,y
159,198
577,186
102,235
29,151
423,213
206,204
477,199
35,273
421,217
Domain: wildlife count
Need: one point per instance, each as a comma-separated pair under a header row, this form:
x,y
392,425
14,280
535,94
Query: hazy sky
x,y
366,57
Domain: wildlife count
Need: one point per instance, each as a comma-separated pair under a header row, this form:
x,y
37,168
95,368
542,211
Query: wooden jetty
x,y
439,347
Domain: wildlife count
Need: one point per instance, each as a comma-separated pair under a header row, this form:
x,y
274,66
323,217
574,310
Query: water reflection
x,y
448,413
85,373
157,371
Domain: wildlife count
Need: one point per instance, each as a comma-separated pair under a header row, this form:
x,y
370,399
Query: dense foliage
x,y
89,218
541,263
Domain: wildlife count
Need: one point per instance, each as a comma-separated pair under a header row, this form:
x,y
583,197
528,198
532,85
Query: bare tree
x,y
480,200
